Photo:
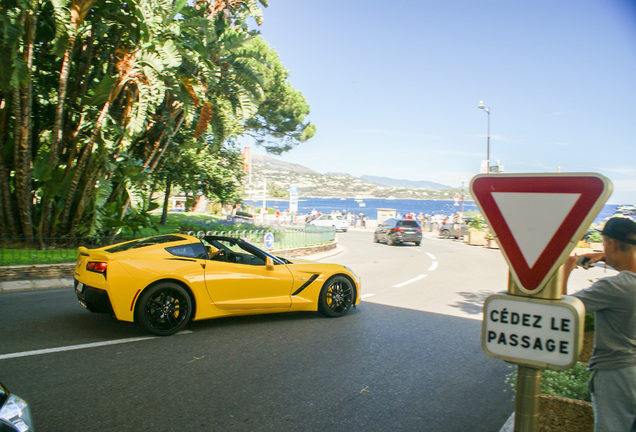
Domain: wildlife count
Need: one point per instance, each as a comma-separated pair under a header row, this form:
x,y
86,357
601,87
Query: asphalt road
x,y
407,359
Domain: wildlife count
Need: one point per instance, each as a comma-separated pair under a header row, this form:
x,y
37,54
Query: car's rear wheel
x,y
164,309
336,296
417,243
446,233
390,240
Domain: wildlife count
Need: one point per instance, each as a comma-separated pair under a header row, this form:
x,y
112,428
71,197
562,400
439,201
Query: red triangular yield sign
x,y
539,218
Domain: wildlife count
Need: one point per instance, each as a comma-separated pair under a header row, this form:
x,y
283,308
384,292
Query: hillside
x,y
281,175
402,183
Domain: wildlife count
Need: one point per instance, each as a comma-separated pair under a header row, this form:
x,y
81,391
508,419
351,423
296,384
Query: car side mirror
x,y
269,263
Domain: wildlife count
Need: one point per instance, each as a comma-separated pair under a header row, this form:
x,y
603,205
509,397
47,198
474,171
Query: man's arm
x,y
571,263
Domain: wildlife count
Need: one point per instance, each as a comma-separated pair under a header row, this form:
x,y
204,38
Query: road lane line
x,y
431,256
433,266
415,279
79,347
367,295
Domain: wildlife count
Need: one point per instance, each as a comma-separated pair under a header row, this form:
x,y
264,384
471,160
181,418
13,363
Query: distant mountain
x,y
409,184
268,163
279,176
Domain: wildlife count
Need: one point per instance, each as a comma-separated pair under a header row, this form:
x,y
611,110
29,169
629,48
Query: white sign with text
x,y
534,332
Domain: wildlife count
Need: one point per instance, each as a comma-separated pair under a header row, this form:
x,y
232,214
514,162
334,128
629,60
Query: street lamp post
x,y
487,110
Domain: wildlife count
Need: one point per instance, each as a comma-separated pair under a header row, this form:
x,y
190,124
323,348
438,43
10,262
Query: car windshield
x,y
149,241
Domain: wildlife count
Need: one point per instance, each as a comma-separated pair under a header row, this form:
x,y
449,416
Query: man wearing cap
x,y
613,301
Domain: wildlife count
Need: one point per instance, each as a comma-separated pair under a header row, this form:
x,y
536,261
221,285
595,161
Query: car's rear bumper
x,y
408,237
93,299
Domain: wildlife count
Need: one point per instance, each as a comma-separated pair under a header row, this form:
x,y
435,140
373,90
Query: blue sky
x,y
394,86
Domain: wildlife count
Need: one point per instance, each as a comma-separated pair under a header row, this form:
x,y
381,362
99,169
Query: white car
x,y
334,220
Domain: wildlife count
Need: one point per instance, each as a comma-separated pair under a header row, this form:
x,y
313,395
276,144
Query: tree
x,y
97,96
279,123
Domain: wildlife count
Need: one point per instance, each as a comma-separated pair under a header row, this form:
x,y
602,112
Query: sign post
x,y
537,219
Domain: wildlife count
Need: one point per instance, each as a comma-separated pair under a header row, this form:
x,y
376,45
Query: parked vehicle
x,y
15,414
162,282
334,220
452,230
395,231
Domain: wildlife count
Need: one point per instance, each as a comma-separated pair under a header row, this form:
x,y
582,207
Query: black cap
x,y
621,229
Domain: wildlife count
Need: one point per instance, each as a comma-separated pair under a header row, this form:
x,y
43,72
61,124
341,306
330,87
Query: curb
x,y
509,425
35,285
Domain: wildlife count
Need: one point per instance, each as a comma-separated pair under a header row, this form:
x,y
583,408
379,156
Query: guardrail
x,y
52,250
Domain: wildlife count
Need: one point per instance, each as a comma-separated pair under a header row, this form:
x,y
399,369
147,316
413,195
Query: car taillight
x,y
398,229
97,267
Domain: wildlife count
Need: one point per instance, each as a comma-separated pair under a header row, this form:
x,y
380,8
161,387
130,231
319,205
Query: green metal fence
x,y
29,251
284,238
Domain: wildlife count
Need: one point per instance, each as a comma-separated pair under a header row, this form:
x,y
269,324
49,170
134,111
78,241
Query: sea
x,y
369,206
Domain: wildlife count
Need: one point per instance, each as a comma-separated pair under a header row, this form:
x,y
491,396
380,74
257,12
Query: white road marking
x,y
78,347
431,256
415,279
367,295
433,266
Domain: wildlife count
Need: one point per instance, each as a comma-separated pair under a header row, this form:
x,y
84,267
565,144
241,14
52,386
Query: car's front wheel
x,y
446,233
336,296
164,309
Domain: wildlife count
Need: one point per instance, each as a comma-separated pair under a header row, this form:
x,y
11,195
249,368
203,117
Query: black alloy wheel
x,y
164,309
336,296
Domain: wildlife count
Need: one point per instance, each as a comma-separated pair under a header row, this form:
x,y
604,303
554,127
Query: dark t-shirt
x,y
613,300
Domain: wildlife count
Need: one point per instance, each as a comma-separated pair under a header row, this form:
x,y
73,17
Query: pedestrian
x,y
613,301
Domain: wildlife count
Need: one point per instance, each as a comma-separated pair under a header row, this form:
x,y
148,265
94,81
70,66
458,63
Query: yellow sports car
x,y
163,282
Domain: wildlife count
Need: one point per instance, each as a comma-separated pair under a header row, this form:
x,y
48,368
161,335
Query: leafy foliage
x,y
104,101
570,383
476,220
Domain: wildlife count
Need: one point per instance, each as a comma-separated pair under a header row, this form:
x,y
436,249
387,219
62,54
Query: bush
x,y
589,322
189,221
570,383
216,225
595,237
476,221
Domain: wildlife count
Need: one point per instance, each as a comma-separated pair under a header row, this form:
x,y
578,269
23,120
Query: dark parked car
x,y
395,231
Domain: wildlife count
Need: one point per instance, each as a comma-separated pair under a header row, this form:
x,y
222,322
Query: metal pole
x,y
527,400
488,141
529,378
